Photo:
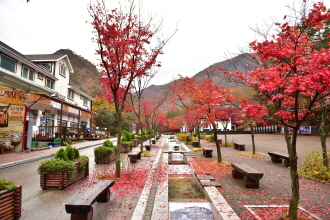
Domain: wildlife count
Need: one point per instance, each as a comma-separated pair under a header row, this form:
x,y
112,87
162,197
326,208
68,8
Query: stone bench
x,y
277,157
134,156
240,147
250,175
80,206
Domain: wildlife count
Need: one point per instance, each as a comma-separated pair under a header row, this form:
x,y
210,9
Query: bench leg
x,y
203,152
286,163
248,183
104,197
87,216
236,174
276,159
133,159
242,148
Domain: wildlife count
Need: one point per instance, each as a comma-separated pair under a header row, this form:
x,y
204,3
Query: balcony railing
x,y
51,132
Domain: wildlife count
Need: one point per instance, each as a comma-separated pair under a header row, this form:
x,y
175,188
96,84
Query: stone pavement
x,y
274,186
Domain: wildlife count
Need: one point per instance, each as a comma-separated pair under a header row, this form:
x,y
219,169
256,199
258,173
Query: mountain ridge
x,y
84,69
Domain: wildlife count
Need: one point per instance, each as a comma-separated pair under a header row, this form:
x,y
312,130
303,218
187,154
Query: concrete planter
x,y
11,203
60,180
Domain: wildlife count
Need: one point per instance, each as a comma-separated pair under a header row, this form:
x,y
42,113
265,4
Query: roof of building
x,y
49,58
18,56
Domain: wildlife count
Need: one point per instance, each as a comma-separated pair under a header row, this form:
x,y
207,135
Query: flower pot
x,y
153,141
147,147
11,203
107,159
60,180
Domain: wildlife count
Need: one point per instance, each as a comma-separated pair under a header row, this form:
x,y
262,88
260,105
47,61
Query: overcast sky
x,y
206,29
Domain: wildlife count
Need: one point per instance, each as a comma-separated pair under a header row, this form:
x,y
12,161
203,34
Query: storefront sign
x,y
12,117
13,96
73,110
55,104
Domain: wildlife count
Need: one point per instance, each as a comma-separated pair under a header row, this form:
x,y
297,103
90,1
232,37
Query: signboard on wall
x,y
11,117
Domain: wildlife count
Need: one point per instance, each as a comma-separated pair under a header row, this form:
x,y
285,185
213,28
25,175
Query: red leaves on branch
x,y
297,76
124,47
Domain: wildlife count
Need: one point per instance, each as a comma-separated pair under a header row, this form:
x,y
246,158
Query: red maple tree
x,y
126,53
294,77
204,100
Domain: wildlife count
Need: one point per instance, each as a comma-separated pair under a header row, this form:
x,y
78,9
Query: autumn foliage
x,y
294,77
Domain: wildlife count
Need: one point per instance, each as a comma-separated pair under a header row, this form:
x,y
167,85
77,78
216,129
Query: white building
x,y
36,99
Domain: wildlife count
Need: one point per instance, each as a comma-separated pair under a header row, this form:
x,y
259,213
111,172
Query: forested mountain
x,y
243,62
86,76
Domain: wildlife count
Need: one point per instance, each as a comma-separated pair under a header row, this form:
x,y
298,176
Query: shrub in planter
x,y
182,136
126,144
210,138
66,168
105,153
10,200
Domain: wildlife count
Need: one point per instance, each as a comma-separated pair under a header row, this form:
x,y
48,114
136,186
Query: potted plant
x,y
66,168
10,200
135,142
105,153
126,144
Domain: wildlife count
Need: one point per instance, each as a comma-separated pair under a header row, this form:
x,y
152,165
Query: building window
x,y
70,94
40,76
85,101
7,63
47,66
62,70
50,83
27,73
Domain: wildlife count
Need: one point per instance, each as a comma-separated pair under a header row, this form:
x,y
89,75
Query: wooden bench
x,y
207,152
80,206
134,156
203,177
250,176
239,146
195,144
276,157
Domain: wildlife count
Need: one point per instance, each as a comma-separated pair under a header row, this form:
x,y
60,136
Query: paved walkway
x,y
274,186
11,159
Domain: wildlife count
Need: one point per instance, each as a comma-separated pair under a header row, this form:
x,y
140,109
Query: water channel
x,y
187,200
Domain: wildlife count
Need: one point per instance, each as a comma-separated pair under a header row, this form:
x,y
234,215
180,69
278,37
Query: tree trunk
x,y
291,145
141,139
118,146
199,137
323,136
215,133
252,136
225,132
